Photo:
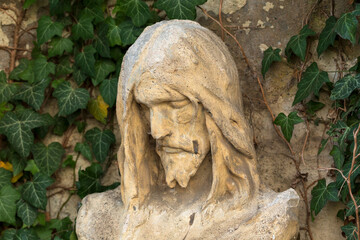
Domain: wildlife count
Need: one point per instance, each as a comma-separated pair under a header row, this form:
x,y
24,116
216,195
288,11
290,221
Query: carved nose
x,y
159,126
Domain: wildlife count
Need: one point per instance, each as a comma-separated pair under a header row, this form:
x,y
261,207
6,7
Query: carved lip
x,y
171,149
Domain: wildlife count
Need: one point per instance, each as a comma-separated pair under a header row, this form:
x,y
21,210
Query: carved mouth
x,y
171,150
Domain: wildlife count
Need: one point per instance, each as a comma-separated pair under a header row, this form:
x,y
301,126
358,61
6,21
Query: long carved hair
x,y
168,52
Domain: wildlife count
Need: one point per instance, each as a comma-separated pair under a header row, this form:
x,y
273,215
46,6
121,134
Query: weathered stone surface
x,y
195,176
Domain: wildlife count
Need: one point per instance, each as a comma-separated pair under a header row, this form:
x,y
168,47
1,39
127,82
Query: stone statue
x,y
187,160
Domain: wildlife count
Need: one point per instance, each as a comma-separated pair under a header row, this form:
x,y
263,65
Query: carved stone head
x,y
179,100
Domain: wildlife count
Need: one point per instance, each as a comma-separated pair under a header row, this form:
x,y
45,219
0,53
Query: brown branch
x,y
9,48
19,20
28,31
305,142
220,20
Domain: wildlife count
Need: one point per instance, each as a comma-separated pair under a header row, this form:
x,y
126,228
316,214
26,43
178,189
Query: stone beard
x,y
187,160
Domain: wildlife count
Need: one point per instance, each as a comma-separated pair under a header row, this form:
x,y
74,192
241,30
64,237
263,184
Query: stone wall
x,y
257,25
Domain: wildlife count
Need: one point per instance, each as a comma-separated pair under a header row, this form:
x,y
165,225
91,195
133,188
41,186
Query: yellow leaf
x,y
98,108
6,165
17,177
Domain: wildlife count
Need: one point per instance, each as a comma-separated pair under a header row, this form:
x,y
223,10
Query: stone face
x,y
187,160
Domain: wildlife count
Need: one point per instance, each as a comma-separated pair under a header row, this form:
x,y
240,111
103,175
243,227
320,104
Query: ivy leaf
x,y
34,192
42,68
100,142
33,94
7,90
28,3
48,158
312,107
346,26
287,123
345,86
95,12
25,234
338,157
297,44
84,149
60,45
70,99
138,10
5,177
8,234
47,29
350,231
28,74
86,61
129,33
114,34
17,128
108,90
270,55
89,181
311,81
26,212
59,7
31,167
102,70
63,68
84,29
18,163
175,9
8,198
98,108
23,64
351,207
321,194
101,42
327,35
79,76
69,162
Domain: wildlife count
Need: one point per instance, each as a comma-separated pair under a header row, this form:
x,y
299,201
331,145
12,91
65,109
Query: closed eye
x,y
180,104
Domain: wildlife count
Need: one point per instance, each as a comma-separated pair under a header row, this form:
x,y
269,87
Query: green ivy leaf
x,y
33,94
70,99
137,10
4,108
59,7
23,64
84,149
350,231
18,163
270,55
17,128
26,234
7,90
79,76
297,44
28,3
327,36
101,42
47,29
351,207
26,212
59,45
28,74
114,33
321,194
95,12
48,158
69,162
89,181
346,27
312,107
84,28
63,68
100,142
338,157
311,81
129,33
8,198
340,182
108,90
85,60
8,234
31,167
34,192
5,177
42,68
102,69
175,9
287,123
345,86
61,125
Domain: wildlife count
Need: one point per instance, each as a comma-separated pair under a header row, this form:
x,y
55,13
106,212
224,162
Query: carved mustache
x,y
176,148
